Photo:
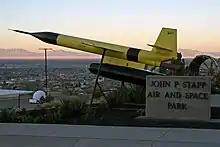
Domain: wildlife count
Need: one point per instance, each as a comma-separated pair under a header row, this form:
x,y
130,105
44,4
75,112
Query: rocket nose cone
x,y
48,37
19,31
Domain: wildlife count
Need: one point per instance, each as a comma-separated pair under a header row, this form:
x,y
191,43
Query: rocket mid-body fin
x,y
124,63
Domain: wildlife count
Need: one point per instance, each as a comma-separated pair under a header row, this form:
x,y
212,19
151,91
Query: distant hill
x,y
22,53
54,54
189,53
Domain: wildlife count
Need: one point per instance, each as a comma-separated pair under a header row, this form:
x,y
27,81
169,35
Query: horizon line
x,y
98,58
49,57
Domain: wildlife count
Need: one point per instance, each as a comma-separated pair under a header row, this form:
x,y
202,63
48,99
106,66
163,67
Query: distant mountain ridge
x,y
22,53
192,53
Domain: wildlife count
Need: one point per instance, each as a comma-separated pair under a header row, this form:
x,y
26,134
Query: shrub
x,y
130,94
52,112
72,108
50,105
8,115
65,111
135,94
49,98
97,93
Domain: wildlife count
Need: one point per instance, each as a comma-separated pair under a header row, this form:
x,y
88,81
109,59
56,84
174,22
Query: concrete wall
x,y
215,100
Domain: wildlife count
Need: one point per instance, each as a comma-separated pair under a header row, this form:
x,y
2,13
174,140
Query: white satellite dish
x,y
38,95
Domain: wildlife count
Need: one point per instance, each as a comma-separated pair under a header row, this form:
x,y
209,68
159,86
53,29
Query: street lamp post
x,y
45,64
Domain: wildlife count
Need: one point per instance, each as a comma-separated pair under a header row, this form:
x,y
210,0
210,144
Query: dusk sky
x,y
126,22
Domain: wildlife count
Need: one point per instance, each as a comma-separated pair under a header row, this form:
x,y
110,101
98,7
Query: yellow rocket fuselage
x,y
118,51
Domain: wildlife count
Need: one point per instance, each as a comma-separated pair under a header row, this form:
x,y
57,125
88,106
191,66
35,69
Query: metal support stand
x,y
122,84
96,81
101,90
19,101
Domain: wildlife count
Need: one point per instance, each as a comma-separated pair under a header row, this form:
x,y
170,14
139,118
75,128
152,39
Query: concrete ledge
x,y
177,120
80,131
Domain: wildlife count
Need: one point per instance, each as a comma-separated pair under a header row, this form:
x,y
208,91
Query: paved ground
x,y
29,135
32,141
28,141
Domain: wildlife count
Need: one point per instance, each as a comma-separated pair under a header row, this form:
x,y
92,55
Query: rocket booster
x,y
96,47
126,74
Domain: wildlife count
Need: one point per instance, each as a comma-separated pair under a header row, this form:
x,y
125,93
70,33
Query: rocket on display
x,y
117,58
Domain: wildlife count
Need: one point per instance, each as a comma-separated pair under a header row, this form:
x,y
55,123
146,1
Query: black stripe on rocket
x,y
132,54
48,37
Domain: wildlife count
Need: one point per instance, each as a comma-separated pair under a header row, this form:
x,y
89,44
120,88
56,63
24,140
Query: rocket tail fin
x,y
166,43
